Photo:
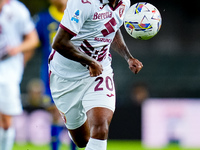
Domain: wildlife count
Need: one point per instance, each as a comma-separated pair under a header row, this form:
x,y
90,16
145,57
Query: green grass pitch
x,y
112,145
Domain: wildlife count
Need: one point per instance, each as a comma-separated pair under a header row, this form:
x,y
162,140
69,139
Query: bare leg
x,y
96,126
7,132
81,135
5,121
99,121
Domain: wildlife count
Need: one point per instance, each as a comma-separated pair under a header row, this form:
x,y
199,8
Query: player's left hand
x,y
13,51
135,65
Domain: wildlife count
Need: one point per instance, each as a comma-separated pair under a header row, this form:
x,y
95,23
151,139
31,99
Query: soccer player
x,y
17,36
81,77
47,23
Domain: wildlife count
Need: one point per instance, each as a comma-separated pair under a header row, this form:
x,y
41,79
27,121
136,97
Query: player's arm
x,y
65,47
119,46
29,43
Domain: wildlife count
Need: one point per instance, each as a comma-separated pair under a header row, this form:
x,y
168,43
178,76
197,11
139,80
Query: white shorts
x,y
74,98
10,101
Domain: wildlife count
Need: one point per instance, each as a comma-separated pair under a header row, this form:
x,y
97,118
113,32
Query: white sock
x,y
7,138
95,144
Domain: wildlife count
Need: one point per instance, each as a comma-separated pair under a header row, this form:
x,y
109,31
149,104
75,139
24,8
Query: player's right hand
x,y
95,69
135,65
13,51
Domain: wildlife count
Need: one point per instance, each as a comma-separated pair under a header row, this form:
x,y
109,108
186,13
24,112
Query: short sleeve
x,y
76,13
26,22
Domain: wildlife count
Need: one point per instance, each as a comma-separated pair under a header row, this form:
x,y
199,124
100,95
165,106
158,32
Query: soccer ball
x,y
142,21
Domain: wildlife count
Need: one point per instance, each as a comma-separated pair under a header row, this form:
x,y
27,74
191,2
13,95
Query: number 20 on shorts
x,y
108,82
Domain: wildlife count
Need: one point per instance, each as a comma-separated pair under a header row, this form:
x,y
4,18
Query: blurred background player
x,y
35,99
47,23
139,93
17,37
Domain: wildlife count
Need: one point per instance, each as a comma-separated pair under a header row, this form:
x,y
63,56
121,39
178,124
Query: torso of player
x,y
9,35
95,34
100,29
12,30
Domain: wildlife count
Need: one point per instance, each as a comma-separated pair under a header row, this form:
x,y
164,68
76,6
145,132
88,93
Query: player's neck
x,y
60,9
114,3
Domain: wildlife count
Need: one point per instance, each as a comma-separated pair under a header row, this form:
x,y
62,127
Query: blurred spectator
x,y
130,114
34,124
35,98
139,93
17,38
47,23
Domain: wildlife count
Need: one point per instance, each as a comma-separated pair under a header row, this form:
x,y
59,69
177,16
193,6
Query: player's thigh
x,y
81,135
99,120
99,116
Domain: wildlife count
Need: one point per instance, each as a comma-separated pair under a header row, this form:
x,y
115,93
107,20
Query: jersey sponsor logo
x,y
103,40
85,1
121,10
102,15
76,16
